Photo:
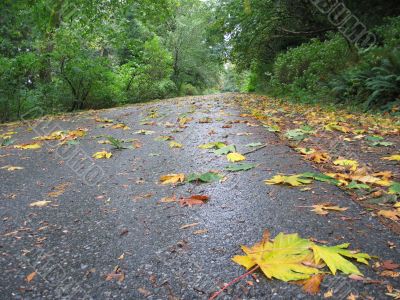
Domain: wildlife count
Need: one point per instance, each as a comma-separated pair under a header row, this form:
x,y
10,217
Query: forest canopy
x,y
66,55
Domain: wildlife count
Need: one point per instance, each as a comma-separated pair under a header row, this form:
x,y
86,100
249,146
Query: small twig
x,y
254,150
216,294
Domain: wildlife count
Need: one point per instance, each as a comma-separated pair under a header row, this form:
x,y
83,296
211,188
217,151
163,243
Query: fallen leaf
x,y
235,157
328,294
172,178
390,214
318,157
102,155
334,257
201,231
168,199
293,180
193,200
174,144
205,177
352,164
31,276
116,274
312,285
240,167
390,265
324,208
394,157
40,203
189,225
11,168
28,146
120,126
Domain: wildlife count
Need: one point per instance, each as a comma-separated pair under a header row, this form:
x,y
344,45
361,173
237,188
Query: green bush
x,y
308,66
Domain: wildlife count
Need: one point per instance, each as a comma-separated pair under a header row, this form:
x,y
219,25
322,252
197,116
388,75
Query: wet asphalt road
x,y
110,214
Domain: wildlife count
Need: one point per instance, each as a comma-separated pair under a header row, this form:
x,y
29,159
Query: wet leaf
x,y
394,157
225,150
205,177
172,178
292,180
174,144
312,285
193,200
31,146
213,145
324,208
335,258
352,164
240,167
40,203
102,155
11,168
235,157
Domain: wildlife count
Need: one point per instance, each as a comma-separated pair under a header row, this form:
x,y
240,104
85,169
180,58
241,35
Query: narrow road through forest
x,y
112,230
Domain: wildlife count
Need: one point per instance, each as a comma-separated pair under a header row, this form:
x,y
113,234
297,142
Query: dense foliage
x,y
64,55
291,48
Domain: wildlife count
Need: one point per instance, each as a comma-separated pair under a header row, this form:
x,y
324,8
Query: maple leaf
x,y
174,144
235,157
334,257
305,151
281,259
225,150
32,146
393,157
293,180
205,177
213,145
394,188
324,208
102,155
318,157
193,200
172,178
390,214
352,164
312,285
40,203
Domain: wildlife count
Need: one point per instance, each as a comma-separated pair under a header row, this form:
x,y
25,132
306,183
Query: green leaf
x,y
205,177
355,185
384,144
394,188
320,177
272,128
334,257
213,145
225,150
253,145
374,138
296,134
240,167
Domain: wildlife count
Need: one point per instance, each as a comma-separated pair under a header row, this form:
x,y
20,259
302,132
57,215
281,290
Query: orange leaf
x,y
312,286
193,200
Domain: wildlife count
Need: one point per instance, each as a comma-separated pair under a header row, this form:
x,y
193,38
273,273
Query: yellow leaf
x,y
293,180
40,203
102,154
235,157
172,178
318,157
11,168
352,164
392,157
390,214
282,259
334,257
305,151
120,126
28,146
324,208
174,144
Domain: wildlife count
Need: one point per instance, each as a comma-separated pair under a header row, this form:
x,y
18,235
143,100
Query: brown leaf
x,y
144,292
390,265
189,225
312,286
201,231
31,276
193,200
117,274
